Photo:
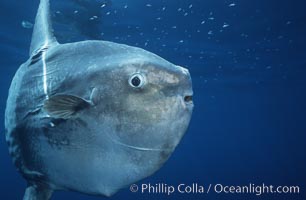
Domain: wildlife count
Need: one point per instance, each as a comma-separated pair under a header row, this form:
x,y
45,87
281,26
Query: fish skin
x,y
125,133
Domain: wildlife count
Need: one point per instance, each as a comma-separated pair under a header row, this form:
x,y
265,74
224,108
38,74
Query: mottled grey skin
x,y
125,135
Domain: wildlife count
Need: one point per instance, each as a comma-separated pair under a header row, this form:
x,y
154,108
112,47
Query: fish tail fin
x,y
42,32
35,192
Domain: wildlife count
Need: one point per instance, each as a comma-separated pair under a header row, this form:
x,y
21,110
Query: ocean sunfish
x,y
92,116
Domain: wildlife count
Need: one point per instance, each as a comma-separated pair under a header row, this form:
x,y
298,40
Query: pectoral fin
x,y
65,106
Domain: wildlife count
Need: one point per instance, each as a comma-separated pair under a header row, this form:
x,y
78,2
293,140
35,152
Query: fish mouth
x,y
188,99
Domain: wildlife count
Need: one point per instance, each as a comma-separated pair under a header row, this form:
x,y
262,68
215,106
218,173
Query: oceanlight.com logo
x,y
196,188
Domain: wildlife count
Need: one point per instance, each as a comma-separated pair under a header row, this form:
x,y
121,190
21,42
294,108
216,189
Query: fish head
x,y
117,118
142,108
149,104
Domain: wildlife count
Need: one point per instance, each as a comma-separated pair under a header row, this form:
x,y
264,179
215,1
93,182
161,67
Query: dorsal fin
x,y
43,32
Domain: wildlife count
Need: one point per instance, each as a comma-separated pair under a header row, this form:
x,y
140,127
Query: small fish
x,y
92,116
225,25
26,24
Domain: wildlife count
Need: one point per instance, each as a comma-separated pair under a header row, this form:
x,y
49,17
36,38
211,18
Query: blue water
x,y
248,64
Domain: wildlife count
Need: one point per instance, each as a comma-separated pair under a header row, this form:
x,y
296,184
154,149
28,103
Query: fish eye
x,y
137,80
